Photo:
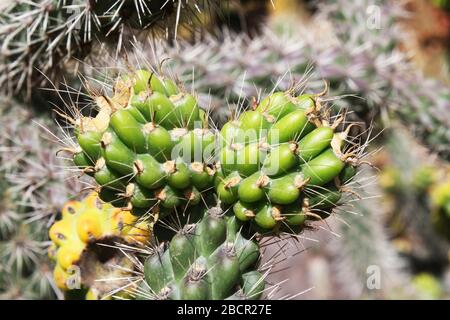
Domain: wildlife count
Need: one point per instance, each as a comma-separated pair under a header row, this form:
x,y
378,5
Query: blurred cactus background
x,y
385,64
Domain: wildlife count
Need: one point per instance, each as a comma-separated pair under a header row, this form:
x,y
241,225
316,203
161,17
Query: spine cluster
x,y
40,37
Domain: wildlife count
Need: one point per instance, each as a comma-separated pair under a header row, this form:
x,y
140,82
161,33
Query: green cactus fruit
x,y
207,260
148,147
282,163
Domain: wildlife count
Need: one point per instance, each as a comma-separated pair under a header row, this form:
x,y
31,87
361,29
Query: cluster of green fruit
x,y
282,163
129,146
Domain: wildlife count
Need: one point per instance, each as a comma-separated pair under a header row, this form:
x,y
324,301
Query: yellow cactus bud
x,y
71,208
78,238
60,277
68,255
139,233
60,232
89,226
122,221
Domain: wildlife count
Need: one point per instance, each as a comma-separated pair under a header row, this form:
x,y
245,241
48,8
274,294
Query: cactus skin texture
x,y
31,171
43,35
281,163
77,242
24,271
207,260
146,146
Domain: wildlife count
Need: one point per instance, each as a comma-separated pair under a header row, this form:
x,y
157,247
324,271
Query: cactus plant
x,y
45,34
412,213
31,172
150,151
363,253
25,270
80,244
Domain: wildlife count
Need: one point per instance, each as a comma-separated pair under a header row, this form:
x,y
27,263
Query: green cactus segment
x,y
210,259
148,146
282,163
